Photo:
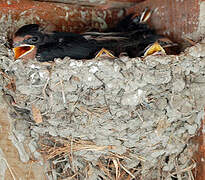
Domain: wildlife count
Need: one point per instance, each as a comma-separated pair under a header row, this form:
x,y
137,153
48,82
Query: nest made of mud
x,y
106,118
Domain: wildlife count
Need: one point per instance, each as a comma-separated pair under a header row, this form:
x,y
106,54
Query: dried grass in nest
x,y
111,166
68,147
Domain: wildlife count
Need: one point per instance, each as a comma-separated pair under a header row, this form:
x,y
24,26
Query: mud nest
x,y
122,118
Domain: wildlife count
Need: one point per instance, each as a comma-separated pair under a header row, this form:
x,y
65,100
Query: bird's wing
x,y
66,37
73,49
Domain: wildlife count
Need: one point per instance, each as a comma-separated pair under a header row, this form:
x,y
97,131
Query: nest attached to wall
x,y
121,118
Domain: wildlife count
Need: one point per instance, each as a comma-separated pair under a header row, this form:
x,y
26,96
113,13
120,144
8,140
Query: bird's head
x,y
26,41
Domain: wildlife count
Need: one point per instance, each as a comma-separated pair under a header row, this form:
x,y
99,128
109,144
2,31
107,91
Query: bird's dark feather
x,y
27,29
76,50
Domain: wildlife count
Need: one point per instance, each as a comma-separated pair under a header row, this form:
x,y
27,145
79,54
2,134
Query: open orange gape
x,y
22,50
181,21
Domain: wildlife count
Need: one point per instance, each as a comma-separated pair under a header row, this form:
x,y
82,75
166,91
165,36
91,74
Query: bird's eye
x,y
33,40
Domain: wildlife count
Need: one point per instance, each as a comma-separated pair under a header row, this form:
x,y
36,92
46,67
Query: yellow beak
x,y
22,50
156,47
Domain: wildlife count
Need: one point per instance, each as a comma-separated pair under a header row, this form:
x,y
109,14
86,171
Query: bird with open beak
x,y
131,35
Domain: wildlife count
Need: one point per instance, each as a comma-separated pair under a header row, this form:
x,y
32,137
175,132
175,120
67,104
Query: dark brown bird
x,y
131,35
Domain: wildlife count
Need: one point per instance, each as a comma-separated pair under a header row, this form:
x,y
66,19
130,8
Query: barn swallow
x,y
131,35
